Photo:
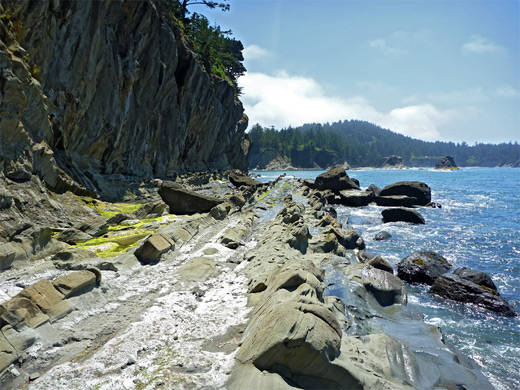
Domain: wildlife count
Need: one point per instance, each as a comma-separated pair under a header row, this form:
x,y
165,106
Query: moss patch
x,y
418,261
121,242
107,209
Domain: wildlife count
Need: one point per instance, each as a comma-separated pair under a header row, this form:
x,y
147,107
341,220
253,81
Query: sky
x,y
445,70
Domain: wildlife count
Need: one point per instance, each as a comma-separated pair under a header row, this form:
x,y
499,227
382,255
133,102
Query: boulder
x,y
6,199
392,161
232,237
327,220
335,180
153,247
386,288
118,218
395,201
183,201
356,198
76,282
48,299
72,236
415,189
380,263
8,354
447,162
422,267
382,235
237,200
478,277
241,179
7,255
36,242
461,290
402,214
220,211
331,211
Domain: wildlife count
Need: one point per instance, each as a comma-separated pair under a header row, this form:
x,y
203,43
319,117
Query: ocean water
x,y
478,227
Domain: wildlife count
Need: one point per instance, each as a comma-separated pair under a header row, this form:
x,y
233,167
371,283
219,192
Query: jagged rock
x,y
7,255
18,171
151,210
240,179
118,218
375,189
382,235
76,282
395,201
153,247
447,162
478,277
402,214
422,267
34,243
19,310
95,227
47,298
237,200
232,238
291,213
8,354
299,239
331,211
220,211
328,220
335,180
74,254
380,263
6,199
73,236
414,189
462,290
279,164
183,201
393,161
356,198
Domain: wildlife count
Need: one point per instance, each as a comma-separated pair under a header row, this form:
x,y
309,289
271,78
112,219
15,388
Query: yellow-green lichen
x,y
494,292
122,242
418,261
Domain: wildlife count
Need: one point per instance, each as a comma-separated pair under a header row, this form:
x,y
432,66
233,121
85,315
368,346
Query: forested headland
x,y
363,144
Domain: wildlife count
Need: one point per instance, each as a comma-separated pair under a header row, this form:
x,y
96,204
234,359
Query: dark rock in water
x,y
393,161
380,263
364,257
183,201
375,189
152,249
414,189
355,198
382,235
240,179
477,277
335,180
422,267
401,214
462,290
447,162
395,201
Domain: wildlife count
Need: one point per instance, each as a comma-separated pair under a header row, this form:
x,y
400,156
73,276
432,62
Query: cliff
x,y
94,95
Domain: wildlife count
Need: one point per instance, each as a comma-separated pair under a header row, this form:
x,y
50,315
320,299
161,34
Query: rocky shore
x,y
237,295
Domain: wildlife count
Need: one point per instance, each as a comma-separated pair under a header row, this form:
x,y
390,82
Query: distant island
x,y
363,144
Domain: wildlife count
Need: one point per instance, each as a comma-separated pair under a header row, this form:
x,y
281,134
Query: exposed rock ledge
x,y
237,299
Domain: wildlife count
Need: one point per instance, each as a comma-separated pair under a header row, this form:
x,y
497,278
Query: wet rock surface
x,y
413,189
402,214
422,267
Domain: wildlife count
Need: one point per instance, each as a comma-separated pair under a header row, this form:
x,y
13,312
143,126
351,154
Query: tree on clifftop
x,y
211,4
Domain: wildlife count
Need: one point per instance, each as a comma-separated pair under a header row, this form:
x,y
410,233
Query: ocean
x,y
478,227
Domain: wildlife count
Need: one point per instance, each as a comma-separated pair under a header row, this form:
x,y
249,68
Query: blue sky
x,y
434,70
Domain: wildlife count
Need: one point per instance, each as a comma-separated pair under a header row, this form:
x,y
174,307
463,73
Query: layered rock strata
x,y
107,93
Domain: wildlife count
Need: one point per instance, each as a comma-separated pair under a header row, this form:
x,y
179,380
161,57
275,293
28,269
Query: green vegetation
x,y
364,144
107,209
220,55
120,243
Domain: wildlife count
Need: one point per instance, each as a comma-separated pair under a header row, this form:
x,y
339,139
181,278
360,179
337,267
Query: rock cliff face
x,y
110,92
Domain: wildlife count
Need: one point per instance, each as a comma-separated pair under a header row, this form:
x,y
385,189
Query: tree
x,y
211,4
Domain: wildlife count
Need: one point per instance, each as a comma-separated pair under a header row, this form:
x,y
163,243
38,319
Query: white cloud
x,y
253,52
384,46
506,91
282,100
480,45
